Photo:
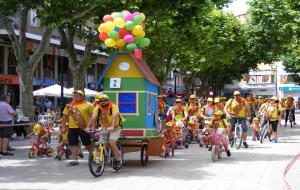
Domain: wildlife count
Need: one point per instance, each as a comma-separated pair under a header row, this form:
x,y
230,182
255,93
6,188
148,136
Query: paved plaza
x,y
259,167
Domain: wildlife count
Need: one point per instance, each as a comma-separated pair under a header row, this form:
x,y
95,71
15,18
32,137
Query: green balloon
x,y
117,14
113,35
138,20
137,40
129,25
144,42
131,46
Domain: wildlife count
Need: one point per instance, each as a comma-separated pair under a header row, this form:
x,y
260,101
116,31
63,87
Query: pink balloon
x,y
128,38
128,17
136,14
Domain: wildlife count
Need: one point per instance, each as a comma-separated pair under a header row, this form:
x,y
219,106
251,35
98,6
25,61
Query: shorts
x,y
75,133
274,125
115,134
6,132
242,121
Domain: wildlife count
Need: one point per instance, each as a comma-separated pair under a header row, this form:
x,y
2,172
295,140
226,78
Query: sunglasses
x,y
103,101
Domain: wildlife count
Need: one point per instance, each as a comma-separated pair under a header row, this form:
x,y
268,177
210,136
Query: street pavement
x,y
260,167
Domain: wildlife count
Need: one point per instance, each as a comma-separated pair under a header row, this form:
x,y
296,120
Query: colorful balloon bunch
x,y
124,30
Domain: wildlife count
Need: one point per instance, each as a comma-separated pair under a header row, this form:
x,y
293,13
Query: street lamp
x,y
175,72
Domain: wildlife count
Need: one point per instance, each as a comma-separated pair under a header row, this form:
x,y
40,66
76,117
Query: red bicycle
x,y
40,150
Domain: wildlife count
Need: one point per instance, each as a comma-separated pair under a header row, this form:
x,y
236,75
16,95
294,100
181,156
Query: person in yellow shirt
x,y
107,115
220,126
77,114
238,109
289,106
274,114
177,111
208,110
192,108
252,102
162,107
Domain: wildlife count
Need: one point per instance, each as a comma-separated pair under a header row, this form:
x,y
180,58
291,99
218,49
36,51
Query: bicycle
x,y
237,135
266,131
217,147
291,118
40,150
101,154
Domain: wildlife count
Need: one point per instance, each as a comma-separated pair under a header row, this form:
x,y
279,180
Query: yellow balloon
x,y
109,26
99,29
137,30
102,28
141,35
110,42
120,43
143,16
119,22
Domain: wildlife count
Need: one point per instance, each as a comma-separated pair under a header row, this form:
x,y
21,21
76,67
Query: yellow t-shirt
x,y
86,109
106,116
274,112
238,109
191,110
219,123
289,104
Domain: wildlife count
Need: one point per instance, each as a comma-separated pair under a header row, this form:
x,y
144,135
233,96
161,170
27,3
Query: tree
x,y
274,31
47,12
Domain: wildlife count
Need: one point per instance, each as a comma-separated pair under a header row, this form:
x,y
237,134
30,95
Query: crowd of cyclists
x,y
220,116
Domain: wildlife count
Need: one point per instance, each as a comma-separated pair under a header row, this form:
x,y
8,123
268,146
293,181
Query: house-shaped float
x,y
132,85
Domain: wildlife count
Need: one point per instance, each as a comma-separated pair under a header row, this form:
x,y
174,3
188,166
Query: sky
x,y
238,7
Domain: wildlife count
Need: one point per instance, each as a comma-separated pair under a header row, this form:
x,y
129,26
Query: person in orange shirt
x,y
252,102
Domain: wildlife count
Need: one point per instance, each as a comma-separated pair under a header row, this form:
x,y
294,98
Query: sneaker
x,y
228,153
274,141
210,148
7,154
117,163
294,123
10,149
73,163
245,144
80,155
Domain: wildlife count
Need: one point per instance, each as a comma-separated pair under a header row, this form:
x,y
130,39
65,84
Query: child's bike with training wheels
x,y
255,135
169,148
63,150
38,149
266,132
101,153
237,135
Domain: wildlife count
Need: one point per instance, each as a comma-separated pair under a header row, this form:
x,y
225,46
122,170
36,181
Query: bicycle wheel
x,y
49,152
238,136
96,160
121,154
263,134
144,157
214,153
291,121
31,153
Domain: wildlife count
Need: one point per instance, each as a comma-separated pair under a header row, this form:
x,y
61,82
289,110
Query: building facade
x,y
53,64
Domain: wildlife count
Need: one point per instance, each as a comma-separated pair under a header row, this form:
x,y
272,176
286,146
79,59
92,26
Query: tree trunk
x,y
26,87
78,74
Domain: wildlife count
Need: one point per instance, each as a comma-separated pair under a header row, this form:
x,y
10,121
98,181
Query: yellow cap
x,y
169,124
218,112
160,96
178,100
103,97
191,121
37,129
97,97
274,98
289,96
217,100
255,119
260,97
193,96
236,93
210,100
78,92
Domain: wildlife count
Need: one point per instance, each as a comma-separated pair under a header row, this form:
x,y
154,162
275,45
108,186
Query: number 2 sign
x,y
115,83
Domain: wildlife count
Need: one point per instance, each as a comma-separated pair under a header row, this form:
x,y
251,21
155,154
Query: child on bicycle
x,y
220,127
63,138
256,128
206,132
41,135
169,135
179,136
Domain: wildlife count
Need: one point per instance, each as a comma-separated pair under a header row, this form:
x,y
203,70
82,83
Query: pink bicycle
x,y
217,147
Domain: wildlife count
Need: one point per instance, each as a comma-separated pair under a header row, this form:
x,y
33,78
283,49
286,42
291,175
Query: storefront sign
x,y
9,79
290,89
43,82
